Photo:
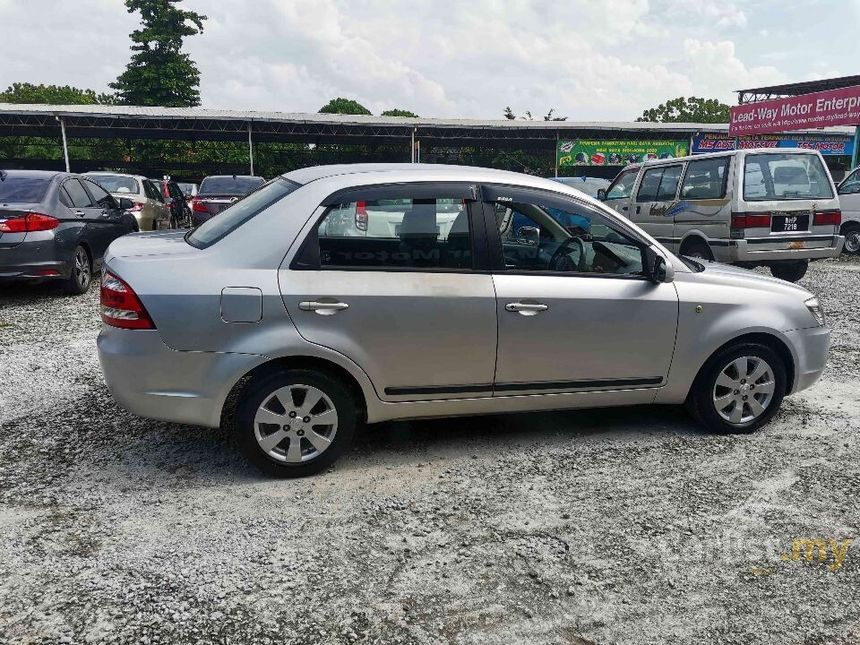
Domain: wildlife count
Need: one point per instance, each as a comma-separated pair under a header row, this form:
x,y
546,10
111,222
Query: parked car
x,y
217,192
148,205
849,201
174,198
56,226
747,207
589,185
309,333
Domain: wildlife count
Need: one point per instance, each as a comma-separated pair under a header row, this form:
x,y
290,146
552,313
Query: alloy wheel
x,y
744,390
852,241
82,267
295,424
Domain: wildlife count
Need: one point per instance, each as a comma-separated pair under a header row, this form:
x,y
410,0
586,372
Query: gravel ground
x,y
611,526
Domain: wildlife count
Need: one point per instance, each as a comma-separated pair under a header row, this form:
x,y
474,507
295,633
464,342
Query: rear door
x,y
389,277
655,198
86,211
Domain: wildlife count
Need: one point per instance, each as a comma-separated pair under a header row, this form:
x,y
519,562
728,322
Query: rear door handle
x,y
526,308
79,213
638,209
323,308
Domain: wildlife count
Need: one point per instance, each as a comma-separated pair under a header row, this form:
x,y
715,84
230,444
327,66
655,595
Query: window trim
x,y
307,257
494,239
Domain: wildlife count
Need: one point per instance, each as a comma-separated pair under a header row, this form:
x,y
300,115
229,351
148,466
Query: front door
x,y
386,278
574,308
653,205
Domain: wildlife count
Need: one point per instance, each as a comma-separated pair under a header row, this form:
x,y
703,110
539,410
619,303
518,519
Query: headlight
x,y
816,310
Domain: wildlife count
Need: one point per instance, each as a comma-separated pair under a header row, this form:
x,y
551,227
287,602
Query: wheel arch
x,y
693,238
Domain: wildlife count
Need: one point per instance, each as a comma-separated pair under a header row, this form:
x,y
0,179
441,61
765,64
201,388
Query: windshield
x,y
229,185
187,189
116,183
233,217
22,190
785,176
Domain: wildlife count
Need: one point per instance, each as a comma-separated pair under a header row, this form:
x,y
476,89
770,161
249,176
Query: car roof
x,y
36,174
115,174
415,172
231,176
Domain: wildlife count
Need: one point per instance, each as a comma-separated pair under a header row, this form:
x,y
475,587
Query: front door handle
x,y
526,308
638,209
79,213
323,308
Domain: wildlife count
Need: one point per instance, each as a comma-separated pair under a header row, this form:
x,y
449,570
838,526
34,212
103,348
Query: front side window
x,y
785,176
705,179
100,195
432,233
622,187
851,184
569,239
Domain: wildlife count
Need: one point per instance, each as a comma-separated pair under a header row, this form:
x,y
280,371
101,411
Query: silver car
x,y
536,297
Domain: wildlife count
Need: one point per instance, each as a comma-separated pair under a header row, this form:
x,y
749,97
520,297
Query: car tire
x,y
852,239
299,447
154,224
81,275
790,271
698,251
717,397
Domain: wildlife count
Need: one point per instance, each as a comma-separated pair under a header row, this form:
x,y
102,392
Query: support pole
x,y
412,147
555,153
65,143
855,155
250,148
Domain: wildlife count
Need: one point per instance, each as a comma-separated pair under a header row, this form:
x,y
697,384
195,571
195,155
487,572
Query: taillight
x,y
136,207
750,220
28,223
120,305
828,218
361,216
198,206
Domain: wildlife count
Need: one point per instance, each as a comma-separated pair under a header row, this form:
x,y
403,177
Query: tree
x,y
343,106
399,112
53,95
689,110
527,115
159,73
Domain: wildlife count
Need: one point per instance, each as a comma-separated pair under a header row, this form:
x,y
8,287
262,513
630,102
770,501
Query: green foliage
x,y
159,73
53,95
527,115
689,110
343,106
399,112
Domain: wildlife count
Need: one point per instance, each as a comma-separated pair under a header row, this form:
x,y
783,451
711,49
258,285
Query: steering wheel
x,y
560,260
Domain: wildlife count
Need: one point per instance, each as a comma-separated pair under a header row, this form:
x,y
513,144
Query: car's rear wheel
x,y
852,239
790,271
81,275
739,389
295,423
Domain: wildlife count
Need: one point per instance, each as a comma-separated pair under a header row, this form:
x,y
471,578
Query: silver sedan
x,y
340,295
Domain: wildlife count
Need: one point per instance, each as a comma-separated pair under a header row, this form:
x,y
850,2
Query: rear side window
x,y
785,177
233,217
705,179
21,190
650,185
79,197
416,233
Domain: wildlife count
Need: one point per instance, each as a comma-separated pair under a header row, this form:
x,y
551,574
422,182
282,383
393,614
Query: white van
x,y
761,207
849,199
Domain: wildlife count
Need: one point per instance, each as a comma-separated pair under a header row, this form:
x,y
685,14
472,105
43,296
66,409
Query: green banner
x,y
581,152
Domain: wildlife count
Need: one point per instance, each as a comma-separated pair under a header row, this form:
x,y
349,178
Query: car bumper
x,y
149,379
33,259
811,349
763,250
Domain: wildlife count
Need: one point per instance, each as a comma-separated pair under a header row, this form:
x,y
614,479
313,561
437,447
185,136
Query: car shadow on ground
x,y
23,292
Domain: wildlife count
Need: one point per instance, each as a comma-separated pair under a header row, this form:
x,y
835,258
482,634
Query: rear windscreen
x,y
229,185
22,190
115,184
785,176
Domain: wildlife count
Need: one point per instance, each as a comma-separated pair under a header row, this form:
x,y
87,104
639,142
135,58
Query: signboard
x,y
826,145
817,110
581,152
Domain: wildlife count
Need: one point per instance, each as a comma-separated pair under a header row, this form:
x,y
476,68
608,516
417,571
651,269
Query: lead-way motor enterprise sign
x,y
581,152
817,110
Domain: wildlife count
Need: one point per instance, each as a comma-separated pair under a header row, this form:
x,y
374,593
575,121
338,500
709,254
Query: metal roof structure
x,y
795,89
114,121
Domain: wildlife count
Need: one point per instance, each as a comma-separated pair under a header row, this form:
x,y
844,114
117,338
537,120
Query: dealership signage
x,y
581,152
826,145
817,110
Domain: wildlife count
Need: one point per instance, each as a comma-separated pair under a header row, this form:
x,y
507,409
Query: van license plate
x,y
789,223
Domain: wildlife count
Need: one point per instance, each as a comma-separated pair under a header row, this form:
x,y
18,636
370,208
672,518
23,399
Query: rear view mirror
x,y
125,203
601,194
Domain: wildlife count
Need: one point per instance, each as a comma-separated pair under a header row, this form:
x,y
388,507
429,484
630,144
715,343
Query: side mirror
x,y
528,235
657,268
125,203
601,194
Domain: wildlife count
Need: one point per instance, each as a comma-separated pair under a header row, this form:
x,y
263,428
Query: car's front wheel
x,y
295,423
739,389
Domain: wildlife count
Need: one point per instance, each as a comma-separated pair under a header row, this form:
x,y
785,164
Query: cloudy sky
x,y
588,59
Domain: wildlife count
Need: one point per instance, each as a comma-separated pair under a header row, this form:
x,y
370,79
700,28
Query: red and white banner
x,y
817,110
